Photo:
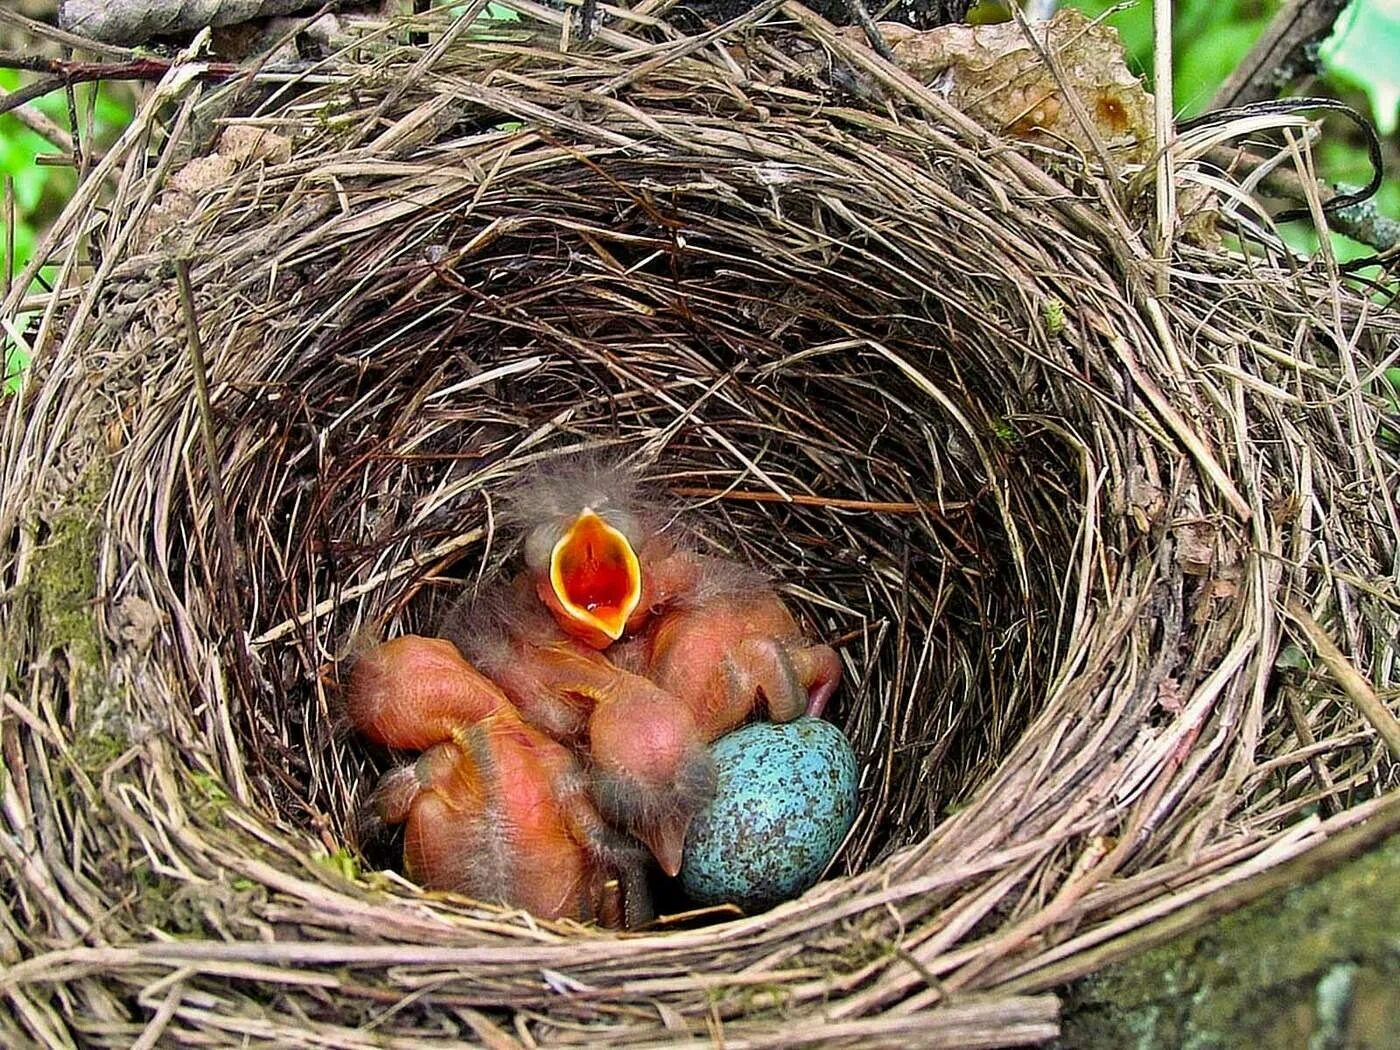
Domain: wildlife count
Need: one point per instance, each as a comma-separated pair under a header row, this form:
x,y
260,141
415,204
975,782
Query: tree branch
x,y
63,73
45,128
1285,52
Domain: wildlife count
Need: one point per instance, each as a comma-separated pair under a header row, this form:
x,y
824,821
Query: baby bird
x,y
649,766
413,692
730,644
493,808
646,712
595,548
598,561
553,679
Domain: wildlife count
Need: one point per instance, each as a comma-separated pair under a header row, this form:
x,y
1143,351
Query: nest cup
x,y
1051,520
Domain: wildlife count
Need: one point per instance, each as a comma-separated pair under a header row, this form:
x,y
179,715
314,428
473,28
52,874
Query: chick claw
x,y
761,667
611,848
791,681
818,669
723,656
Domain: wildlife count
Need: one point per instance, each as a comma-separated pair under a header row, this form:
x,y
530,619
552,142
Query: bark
x,y
140,21
1317,966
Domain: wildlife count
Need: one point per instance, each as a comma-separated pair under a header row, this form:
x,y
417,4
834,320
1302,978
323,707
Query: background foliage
x,y
40,190
1362,62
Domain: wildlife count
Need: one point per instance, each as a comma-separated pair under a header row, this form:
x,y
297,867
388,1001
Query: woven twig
x,y
1050,519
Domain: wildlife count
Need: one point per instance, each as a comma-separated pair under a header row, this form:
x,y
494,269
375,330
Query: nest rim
x,y
1168,487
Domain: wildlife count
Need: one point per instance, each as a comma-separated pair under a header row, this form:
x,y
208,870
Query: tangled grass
x,y
1076,520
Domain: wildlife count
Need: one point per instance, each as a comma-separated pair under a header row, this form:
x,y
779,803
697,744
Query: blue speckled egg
x,y
786,798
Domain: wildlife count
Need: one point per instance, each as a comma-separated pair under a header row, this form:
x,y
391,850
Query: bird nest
x,y
1076,523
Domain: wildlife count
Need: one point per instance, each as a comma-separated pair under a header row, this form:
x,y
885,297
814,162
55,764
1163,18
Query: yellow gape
x,y
595,575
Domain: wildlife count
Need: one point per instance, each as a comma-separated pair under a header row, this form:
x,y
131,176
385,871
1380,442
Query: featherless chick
x,y
493,807
646,754
597,548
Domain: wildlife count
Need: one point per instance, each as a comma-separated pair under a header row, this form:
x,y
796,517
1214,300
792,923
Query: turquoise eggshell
x,y
786,798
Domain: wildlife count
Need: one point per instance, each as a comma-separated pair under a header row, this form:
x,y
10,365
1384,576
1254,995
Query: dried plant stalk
x,y
1051,519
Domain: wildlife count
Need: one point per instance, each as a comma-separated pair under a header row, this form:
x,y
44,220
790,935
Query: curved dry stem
x,y
1050,520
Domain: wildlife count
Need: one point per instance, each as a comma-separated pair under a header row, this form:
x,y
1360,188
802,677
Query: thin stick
x,y
9,232
84,143
1299,718
64,74
872,31
348,594
1350,679
46,129
72,99
211,454
1165,130
81,43
147,67
877,506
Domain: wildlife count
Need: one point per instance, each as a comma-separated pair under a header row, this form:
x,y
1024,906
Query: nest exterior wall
x,y
1074,513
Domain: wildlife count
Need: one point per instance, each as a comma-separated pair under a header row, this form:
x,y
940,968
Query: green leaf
x,y
211,786
988,12
29,186
18,148
1364,52
1209,37
1291,658
1203,67
24,243
341,861
112,114
1134,25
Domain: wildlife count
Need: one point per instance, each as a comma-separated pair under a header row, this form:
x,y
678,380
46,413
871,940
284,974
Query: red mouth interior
x,y
594,569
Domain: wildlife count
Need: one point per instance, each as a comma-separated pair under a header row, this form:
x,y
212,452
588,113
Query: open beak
x,y
595,575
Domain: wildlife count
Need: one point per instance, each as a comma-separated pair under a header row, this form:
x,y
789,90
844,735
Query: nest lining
x,y
1049,520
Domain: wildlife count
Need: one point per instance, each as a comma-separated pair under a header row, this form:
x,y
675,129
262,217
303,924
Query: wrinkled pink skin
x,y
493,808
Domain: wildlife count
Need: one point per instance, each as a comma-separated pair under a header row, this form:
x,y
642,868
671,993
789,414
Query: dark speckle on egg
x,y
786,798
